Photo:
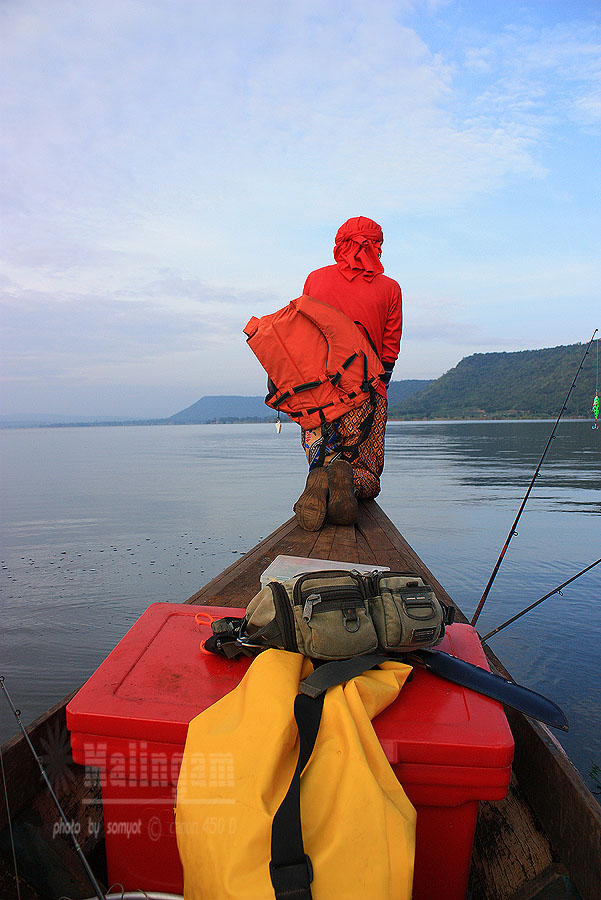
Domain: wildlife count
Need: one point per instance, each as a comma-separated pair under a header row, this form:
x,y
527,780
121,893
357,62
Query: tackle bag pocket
x,y
332,615
406,613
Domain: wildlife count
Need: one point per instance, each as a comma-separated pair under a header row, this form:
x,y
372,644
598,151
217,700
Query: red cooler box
x,y
449,747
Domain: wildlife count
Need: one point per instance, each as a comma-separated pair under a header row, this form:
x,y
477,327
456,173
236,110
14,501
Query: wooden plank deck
x,y
373,540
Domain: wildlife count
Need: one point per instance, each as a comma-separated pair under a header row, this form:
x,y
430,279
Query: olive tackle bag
x,y
244,763
336,615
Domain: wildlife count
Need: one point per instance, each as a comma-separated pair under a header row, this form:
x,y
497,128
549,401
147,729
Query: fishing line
x,y
10,828
512,530
556,590
596,400
17,714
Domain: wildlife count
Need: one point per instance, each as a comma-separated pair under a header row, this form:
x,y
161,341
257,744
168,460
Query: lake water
x,y
100,522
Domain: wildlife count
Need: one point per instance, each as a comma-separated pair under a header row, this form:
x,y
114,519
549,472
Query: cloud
x,y
586,109
154,112
146,349
539,77
175,167
162,316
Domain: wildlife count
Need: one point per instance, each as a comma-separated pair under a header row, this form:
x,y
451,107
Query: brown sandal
x,y
311,506
343,508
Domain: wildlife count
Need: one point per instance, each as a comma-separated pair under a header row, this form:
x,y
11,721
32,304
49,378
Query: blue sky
x,y
171,168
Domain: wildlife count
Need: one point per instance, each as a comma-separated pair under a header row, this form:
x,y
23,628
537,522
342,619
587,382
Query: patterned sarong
x,y
346,431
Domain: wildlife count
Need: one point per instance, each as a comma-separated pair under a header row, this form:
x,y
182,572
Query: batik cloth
x,y
321,444
346,432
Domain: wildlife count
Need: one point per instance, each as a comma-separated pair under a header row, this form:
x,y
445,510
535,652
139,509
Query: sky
x,y
171,168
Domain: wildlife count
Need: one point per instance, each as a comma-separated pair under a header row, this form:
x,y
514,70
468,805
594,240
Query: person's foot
x,y
311,506
342,504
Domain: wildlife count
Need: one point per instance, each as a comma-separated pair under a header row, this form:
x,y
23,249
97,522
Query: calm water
x,y
100,522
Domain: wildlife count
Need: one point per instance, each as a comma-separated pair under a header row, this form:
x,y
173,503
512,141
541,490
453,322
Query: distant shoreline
x,y
11,426
483,387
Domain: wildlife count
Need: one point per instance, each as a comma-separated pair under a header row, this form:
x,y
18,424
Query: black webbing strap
x,y
318,409
290,867
350,452
337,671
307,386
365,385
321,456
280,400
368,336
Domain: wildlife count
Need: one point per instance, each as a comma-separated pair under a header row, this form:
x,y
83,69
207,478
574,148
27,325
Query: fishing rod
x,y
512,530
596,400
10,827
17,714
556,590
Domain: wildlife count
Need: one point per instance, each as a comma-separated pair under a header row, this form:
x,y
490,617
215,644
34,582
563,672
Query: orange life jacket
x,y
319,361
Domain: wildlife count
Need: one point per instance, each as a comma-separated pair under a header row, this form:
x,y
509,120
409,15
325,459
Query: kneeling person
x,y
355,285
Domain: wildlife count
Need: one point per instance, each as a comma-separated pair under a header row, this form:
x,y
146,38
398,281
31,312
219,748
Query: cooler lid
x,y
435,722
157,678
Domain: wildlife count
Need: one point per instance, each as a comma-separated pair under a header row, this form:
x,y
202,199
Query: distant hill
x,y
226,409
209,410
526,384
523,384
398,391
40,420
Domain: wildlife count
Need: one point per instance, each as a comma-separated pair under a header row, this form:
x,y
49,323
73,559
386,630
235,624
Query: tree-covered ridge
x,y
522,384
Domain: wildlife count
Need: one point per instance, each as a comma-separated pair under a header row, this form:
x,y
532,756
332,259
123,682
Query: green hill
x,y
524,384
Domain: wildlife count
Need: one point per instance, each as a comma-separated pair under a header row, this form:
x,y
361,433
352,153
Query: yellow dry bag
x,y
238,775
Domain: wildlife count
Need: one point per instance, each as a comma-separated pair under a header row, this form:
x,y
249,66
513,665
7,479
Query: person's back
x,y
357,286
375,304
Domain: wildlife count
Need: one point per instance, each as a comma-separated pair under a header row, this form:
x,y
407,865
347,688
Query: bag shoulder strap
x,y
337,671
290,868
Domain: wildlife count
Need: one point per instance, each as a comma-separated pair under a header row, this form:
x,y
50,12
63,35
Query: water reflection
x,y
496,455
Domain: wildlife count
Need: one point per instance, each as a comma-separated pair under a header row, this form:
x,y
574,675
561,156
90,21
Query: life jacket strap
x,y
291,881
366,382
